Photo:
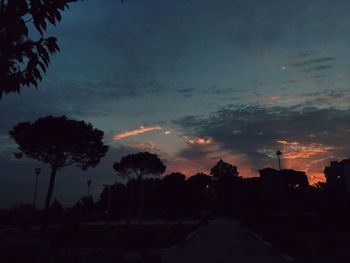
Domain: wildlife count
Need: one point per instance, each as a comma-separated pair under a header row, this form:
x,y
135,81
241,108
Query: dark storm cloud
x,y
312,61
323,67
254,130
186,92
112,53
196,152
302,55
222,91
325,92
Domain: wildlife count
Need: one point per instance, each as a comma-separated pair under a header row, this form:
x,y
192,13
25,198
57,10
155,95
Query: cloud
x,y
262,128
186,91
200,140
308,62
323,67
196,159
287,143
307,151
135,132
144,146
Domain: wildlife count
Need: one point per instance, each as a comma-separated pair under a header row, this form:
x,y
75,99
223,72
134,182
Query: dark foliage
x,y
136,167
139,165
59,142
22,59
25,49
223,169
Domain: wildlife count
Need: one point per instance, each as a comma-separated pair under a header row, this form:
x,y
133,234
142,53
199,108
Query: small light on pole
x,y
37,172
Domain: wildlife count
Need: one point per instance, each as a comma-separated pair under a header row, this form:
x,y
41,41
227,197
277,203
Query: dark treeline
x,y
275,197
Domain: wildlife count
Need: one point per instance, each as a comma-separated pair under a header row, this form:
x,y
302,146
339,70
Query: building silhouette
x,y
338,176
283,179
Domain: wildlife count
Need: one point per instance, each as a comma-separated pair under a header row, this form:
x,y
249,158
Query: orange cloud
x,y
200,140
310,158
287,142
274,100
135,132
307,151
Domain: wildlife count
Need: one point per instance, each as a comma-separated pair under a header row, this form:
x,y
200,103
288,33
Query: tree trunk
x,y
141,196
131,199
48,199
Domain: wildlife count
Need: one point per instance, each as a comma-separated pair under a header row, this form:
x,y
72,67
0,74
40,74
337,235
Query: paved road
x,y
223,240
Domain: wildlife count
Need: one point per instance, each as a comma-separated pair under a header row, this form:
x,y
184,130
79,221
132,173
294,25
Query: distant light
x,y
283,68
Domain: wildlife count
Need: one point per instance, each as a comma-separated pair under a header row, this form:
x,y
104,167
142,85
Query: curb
x,y
269,245
187,238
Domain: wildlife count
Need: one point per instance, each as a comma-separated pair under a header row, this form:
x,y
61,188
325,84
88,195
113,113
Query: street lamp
x,y
88,187
37,172
108,211
279,153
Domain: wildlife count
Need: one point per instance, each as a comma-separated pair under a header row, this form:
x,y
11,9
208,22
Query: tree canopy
x,y
224,170
23,59
136,167
60,142
139,165
25,49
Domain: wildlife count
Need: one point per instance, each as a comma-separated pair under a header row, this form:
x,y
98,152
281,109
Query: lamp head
x,y
37,171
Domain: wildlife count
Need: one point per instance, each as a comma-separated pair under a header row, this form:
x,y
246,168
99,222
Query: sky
x,y
193,81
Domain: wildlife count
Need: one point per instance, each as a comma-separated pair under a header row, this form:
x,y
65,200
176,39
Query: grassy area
x,y
133,237
91,243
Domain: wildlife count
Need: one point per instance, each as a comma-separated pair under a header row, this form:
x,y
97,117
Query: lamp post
x,y
279,153
37,172
88,182
108,211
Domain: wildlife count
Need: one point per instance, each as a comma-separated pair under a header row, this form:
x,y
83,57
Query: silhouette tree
x,y
173,194
223,169
200,186
59,142
137,167
226,185
56,208
23,59
113,198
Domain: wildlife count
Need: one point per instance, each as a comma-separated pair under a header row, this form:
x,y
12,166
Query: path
x,y
223,240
